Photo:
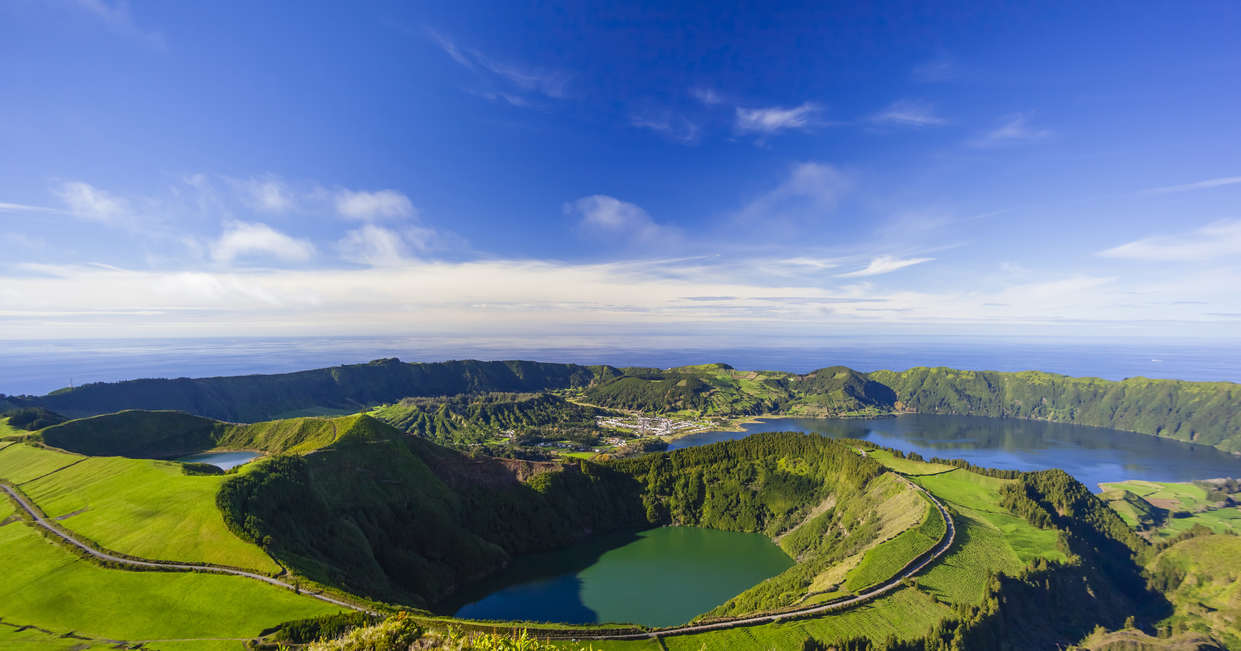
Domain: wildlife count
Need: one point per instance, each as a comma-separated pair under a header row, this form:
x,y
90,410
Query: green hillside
x,y
137,434
1203,579
1206,413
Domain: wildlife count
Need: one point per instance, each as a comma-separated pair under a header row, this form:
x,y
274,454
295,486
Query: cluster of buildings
x,y
651,425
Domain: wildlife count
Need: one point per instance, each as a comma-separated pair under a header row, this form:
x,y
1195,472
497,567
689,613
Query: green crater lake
x,y
657,577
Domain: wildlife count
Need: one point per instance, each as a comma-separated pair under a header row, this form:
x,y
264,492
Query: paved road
x,y
157,565
891,584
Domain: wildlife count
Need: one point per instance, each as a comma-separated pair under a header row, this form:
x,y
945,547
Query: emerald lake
x,y
657,577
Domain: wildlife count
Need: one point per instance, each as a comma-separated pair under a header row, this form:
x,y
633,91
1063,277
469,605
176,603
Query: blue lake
x,y
1090,454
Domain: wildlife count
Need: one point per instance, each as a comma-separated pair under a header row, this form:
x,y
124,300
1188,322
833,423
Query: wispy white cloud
x,y
774,119
708,96
883,264
810,190
1213,241
908,113
245,240
553,84
669,124
615,218
269,195
118,18
1198,185
21,207
1015,129
379,204
375,246
88,202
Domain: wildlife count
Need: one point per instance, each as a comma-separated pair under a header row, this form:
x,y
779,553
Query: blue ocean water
x,y
36,367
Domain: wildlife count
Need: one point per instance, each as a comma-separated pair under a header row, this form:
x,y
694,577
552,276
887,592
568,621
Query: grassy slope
x,y
291,435
47,586
1208,599
888,558
133,506
977,497
8,430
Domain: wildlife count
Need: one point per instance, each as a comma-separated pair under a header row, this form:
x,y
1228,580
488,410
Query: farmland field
x,y
47,586
138,507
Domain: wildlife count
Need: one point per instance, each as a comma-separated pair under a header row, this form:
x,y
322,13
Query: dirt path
x,y
912,568
144,564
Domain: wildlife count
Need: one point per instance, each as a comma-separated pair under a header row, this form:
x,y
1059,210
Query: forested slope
x,y
454,420
1207,413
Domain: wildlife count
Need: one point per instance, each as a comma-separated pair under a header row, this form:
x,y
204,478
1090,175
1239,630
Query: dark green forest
x,y
471,419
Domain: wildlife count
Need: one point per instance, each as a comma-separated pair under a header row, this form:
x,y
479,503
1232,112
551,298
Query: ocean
x,y
37,367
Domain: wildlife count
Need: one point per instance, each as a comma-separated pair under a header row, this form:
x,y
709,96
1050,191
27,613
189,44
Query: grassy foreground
x,y
138,507
47,586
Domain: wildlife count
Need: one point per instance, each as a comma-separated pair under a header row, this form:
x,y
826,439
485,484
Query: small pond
x,y
222,460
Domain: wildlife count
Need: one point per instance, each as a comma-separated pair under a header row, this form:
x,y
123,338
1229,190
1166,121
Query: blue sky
x,y
484,169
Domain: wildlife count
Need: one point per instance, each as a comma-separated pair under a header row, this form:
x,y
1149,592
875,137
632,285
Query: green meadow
x,y
138,507
47,586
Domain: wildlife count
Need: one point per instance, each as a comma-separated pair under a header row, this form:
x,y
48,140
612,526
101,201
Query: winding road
x,y
64,535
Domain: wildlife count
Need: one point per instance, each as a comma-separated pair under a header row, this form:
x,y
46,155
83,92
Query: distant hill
x,y
250,398
1206,413
142,434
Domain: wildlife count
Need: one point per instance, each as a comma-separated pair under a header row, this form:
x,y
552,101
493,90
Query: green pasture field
x,y
977,497
1184,497
138,507
47,586
1190,496
20,463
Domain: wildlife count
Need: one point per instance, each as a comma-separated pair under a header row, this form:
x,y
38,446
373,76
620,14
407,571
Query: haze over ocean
x,y
37,367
